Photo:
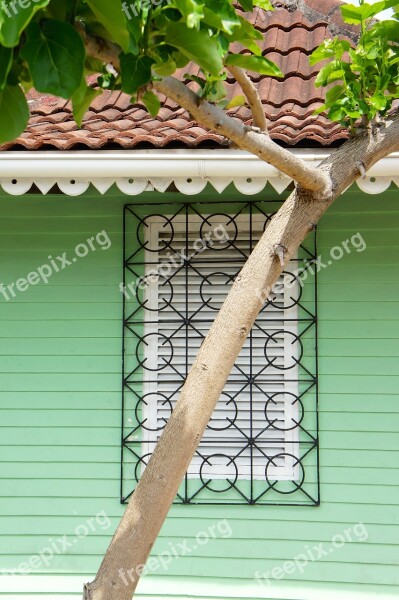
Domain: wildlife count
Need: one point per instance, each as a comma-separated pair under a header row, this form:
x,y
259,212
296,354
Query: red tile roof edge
x,y
292,32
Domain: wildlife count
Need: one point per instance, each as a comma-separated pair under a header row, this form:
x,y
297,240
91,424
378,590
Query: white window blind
x,y
253,428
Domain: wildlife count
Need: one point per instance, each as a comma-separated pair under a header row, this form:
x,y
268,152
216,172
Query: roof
x,y
291,33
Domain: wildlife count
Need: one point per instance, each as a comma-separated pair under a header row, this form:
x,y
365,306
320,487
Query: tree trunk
x,y
129,549
157,489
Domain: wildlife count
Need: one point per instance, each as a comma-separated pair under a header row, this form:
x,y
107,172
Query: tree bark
x,y
252,96
246,138
149,505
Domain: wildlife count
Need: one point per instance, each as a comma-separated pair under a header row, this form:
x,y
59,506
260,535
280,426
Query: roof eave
x,y
135,171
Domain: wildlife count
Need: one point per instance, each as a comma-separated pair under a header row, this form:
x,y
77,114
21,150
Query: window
x,y
179,264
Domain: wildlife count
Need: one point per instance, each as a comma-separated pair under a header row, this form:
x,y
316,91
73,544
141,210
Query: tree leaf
x,y
196,45
81,101
236,101
14,19
247,5
324,73
14,113
389,29
379,101
5,65
334,94
111,14
55,54
336,113
247,35
221,15
192,12
356,14
264,4
152,103
164,68
135,72
258,64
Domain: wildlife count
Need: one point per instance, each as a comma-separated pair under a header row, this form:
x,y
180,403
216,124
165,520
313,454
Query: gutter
x,y
181,165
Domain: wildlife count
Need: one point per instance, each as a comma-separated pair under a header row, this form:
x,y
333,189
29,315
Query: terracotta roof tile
x,y
290,35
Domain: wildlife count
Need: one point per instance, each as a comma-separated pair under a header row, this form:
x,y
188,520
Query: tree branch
x,y
366,149
100,48
213,117
252,96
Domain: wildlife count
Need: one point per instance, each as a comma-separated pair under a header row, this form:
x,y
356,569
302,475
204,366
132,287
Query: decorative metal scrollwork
x,y
261,445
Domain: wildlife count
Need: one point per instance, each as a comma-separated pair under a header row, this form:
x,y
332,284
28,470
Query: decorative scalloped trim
x,y
190,186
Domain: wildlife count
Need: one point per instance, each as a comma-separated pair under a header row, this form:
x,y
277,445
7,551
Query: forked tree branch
x,y
260,144
215,118
252,96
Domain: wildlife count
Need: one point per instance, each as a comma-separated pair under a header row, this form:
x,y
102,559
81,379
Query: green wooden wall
x,y
60,374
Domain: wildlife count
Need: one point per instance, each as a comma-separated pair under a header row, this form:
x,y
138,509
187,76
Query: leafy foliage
x,y
40,47
365,78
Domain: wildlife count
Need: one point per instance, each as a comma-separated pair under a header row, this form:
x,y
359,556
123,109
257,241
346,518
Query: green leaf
x,y
152,103
247,35
354,15
334,94
324,73
164,68
323,52
5,65
81,101
379,101
336,113
247,5
199,80
135,72
55,54
320,110
258,64
197,46
221,15
264,4
14,19
58,9
329,49
215,91
388,29
192,12
14,113
236,101
111,14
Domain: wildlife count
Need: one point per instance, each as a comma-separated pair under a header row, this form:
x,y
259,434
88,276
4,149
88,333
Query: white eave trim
x,y
136,171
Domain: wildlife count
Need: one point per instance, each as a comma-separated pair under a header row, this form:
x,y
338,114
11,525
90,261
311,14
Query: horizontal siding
x,y
60,413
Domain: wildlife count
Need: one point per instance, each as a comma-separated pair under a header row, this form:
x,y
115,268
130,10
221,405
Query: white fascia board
x,y
160,163
136,171
140,163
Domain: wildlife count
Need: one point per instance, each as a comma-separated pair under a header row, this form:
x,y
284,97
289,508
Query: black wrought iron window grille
x,y
261,445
